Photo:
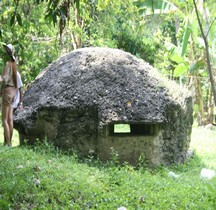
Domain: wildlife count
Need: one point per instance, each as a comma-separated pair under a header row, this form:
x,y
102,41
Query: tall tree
x,y
205,38
186,52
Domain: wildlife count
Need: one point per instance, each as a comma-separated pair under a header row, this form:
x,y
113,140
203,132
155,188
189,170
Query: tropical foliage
x,y
22,25
191,54
164,33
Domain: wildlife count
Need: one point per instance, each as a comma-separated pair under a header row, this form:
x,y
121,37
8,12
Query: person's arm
x,y
20,104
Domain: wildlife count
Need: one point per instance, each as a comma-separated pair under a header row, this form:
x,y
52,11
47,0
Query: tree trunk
x,y
210,107
196,85
75,37
207,54
201,114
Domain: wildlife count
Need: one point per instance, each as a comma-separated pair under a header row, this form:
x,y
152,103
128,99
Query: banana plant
x,y
184,54
205,38
185,10
148,7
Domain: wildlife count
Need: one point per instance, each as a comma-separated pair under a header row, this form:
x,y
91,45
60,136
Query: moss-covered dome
x,y
112,84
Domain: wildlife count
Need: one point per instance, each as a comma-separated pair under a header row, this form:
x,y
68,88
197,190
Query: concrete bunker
x,y
80,101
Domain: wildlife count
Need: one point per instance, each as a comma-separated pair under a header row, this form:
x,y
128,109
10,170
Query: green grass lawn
x,y
43,178
204,142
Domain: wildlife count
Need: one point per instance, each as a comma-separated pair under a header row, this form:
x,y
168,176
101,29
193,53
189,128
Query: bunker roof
x,y
121,87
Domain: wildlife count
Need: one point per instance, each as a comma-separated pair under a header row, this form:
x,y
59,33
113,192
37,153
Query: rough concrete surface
x,y
77,98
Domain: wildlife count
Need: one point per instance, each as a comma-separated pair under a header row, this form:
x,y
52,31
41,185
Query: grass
x,y
204,142
45,178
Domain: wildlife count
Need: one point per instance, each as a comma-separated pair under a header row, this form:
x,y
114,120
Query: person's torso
x,y
8,75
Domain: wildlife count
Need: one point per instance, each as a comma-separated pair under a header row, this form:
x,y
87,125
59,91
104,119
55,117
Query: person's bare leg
x,y
5,140
3,131
10,122
7,133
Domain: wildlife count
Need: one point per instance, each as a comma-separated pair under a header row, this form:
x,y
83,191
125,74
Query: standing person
x,y
17,104
9,85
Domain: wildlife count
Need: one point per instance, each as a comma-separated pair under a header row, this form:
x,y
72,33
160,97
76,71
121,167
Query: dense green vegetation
x,y
164,33
44,178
